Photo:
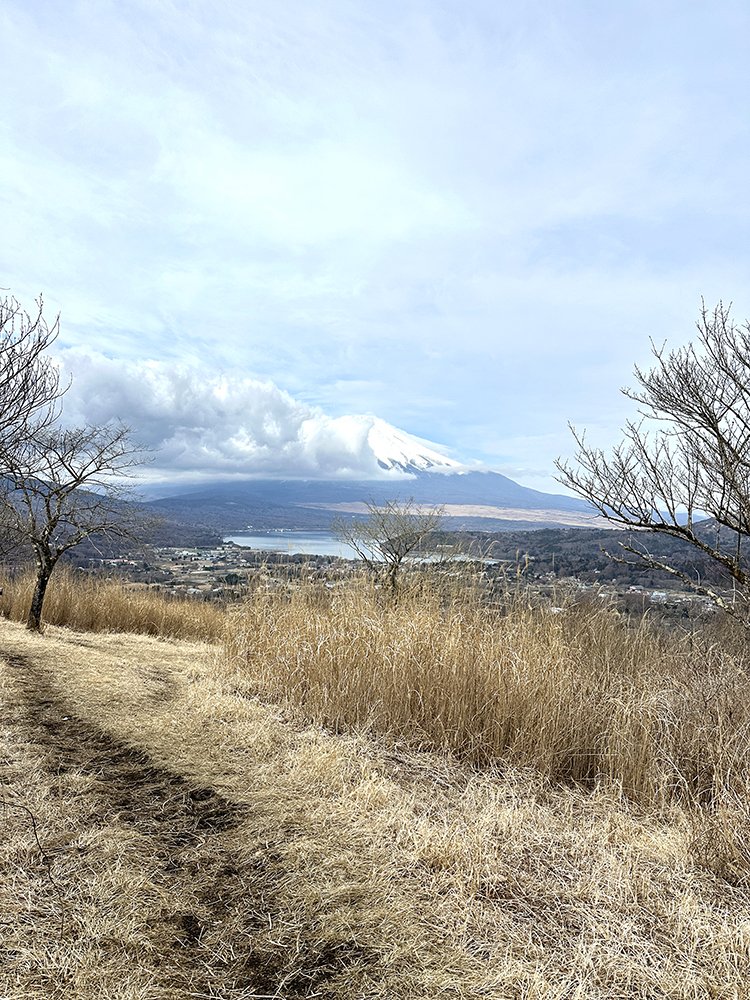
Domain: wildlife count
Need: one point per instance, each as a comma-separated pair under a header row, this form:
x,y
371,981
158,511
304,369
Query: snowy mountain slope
x,y
398,466
394,449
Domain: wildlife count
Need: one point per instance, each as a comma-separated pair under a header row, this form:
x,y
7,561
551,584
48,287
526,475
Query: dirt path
x,y
208,845
180,832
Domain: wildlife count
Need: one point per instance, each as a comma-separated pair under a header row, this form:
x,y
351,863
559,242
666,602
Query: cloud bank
x,y
202,425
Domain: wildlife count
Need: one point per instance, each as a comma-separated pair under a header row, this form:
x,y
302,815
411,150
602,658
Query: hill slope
x,y
193,841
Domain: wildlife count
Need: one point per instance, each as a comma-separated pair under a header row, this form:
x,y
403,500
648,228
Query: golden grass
x,y
585,836
358,869
575,695
93,604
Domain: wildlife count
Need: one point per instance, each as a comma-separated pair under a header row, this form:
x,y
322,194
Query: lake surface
x,y
317,543
306,543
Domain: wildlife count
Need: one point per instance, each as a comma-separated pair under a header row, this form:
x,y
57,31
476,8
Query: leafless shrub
x,y
389,537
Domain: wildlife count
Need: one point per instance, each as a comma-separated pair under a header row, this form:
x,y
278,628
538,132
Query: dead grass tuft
x,y
721,840
93,604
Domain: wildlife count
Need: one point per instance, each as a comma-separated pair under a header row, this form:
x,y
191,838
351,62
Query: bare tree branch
x,y
29,381
389,536
688,457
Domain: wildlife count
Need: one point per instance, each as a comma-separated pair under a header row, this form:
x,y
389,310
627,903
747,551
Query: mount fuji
x,y
404,467
396,451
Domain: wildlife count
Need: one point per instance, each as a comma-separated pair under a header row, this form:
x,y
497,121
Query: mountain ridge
x,y
471,499
411,468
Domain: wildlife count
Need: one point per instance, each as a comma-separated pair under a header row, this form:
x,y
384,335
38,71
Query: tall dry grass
x,y
575,695
354,869
93,604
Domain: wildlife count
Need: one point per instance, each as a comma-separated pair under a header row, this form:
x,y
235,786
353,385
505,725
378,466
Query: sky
x,y
467,218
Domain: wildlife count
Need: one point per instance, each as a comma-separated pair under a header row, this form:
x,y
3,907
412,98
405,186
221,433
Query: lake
x,y
318,543
306,543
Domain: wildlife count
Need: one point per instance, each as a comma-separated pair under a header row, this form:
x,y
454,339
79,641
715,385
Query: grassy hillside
x,y
570,692
339,798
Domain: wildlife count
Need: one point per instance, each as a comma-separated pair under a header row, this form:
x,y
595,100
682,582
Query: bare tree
x,y
62,487
389,536
686,459
29,381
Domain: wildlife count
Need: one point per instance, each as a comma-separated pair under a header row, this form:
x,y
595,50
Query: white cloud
x,y
467,218
200,424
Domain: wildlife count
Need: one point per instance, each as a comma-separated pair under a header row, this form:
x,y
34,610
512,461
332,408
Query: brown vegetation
x,y
574,695
586,835
94,604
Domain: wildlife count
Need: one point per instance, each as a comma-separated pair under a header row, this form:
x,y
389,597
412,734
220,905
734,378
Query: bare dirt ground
x,y
166,835
177,829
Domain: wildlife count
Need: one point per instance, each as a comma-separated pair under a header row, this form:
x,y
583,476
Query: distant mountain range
x,y
412,469
472,500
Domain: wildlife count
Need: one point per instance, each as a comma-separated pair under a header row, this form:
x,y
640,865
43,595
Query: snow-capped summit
x,y
395,450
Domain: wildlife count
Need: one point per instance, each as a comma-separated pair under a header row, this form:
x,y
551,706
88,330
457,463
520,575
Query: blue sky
x,y
467,218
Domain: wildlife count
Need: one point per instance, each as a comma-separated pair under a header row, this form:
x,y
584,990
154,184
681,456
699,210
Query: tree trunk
x,y
392,578
34,619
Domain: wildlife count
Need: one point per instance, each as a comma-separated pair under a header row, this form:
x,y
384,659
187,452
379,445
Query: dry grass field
x,y
94,604
571,693
349,800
